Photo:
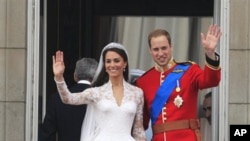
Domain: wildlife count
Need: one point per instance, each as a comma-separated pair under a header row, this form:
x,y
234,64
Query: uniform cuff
x,y
214,64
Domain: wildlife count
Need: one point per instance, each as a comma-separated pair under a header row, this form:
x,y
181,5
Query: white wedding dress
x,y
113,122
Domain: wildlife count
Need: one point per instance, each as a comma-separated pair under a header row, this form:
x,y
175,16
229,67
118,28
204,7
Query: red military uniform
x,y
192,80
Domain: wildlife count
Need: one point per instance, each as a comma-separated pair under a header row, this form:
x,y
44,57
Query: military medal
x,y
177,89
178,100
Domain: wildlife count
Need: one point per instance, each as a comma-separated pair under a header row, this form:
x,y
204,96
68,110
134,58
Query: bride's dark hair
x,y
103,77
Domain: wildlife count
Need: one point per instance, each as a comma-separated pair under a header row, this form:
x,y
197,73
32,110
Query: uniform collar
x,y
170,64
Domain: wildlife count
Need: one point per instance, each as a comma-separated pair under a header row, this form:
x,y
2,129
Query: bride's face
x,y
114,64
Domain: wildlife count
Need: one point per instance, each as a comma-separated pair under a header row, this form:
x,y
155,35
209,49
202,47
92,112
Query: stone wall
x,y
12,69
239,67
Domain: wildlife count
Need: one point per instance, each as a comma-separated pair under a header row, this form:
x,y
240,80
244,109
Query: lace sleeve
x,y
138,130
83,97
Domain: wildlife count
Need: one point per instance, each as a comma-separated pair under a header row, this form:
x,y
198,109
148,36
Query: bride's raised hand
x,y
58,65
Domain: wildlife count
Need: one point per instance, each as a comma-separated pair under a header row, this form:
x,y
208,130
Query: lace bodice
x,y
114,121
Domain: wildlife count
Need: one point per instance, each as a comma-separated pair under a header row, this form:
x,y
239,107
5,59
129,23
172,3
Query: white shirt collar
x,y
84,82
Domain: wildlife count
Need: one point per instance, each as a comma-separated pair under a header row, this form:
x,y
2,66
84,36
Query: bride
x,y
114,106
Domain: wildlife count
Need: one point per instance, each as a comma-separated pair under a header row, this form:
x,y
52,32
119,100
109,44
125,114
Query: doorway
x,y
82,28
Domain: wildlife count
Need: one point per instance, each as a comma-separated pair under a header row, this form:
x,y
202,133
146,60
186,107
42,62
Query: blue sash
x,y
165,90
